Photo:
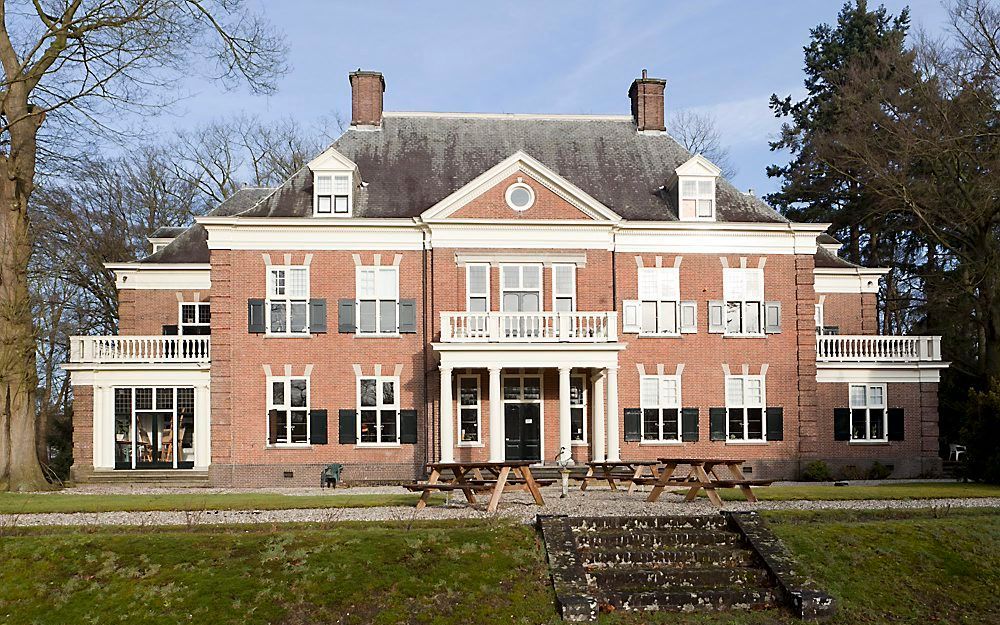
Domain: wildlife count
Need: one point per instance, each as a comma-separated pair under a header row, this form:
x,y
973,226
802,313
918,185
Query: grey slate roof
x,y
827,259
191,246
416,160
167,232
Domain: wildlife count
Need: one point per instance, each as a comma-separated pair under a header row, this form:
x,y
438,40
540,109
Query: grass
x,y
897,567
902,490
17,503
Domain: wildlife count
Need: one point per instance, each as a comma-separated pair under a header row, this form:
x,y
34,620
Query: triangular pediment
x,y
698,165
330,159
485,197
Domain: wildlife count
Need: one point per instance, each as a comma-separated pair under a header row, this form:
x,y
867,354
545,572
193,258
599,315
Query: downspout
x,y
428,408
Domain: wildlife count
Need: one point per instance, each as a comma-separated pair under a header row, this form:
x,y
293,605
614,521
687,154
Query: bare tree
x,y
75,63
699,134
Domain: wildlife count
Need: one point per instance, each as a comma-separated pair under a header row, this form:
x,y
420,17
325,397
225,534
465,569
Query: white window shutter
x,y
716,317
689,317
772,317
631,316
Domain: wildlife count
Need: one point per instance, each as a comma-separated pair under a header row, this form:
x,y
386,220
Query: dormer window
x,y
333,194
696,183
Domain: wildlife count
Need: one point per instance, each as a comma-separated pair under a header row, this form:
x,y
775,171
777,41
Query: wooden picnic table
x,y
703,475
607,469
468,477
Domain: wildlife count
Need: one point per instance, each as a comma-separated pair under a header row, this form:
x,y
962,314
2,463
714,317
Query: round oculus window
x,y
520,196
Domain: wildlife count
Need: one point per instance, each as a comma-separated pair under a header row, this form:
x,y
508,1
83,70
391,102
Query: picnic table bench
x,y
468,477
703,475
605,471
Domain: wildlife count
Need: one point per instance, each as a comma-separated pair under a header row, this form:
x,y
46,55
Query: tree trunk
x,y
18,375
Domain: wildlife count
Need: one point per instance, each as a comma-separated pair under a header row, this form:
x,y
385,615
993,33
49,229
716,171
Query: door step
x,y
150,477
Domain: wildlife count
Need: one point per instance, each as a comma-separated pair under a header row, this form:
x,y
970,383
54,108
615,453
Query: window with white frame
x,y
564,287
745,407
378,300
660,402
378,410
287,303
743,290
477,287
521,288
659,293
697,196
578,409
469,410
868,414
195,318
288,410
333,194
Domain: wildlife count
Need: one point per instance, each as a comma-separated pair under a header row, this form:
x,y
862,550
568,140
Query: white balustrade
x,y
877,348
529,327
138,349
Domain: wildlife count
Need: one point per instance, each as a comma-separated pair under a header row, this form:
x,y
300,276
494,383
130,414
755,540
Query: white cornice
x,y
156,276
521,162
847,372
581,234
848,279
304,233
717,237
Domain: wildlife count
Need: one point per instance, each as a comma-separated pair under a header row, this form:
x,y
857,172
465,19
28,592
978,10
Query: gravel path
x,y
515,506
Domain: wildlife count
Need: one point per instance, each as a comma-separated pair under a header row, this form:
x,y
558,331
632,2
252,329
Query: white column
x,y
447,422
202,436
104,436
614,455
497,433
597,435
565,432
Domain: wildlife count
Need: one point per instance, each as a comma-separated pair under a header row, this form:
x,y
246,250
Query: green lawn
x,y
902,490
17,503
895,567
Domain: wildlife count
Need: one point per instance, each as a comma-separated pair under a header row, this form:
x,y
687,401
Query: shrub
x,y
980,434
852,473
817,471
879,471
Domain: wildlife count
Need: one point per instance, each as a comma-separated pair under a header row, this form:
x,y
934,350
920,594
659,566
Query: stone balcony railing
x,y
529,327
140,349
877,348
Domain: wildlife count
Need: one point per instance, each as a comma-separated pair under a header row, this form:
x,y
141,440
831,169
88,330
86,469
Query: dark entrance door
x,y
523,431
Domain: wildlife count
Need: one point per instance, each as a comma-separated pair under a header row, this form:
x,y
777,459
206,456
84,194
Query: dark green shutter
x,y
170,331
408,316
896,424
633,418
348,427
775,424
317,316
317,427
717,424
272,427
689,425
408,427
255,316
345,316
841,424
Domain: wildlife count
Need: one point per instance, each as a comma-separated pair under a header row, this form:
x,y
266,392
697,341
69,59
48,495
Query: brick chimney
x,y
647,102
366,98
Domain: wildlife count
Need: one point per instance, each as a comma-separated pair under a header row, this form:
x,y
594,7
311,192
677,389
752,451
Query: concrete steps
x,y
693,600
150,477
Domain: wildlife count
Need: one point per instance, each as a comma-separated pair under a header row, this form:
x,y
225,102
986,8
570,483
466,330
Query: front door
x,y
523,431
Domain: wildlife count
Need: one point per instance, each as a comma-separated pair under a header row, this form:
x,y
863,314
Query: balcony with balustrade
x,y
878,348
185,351
529,327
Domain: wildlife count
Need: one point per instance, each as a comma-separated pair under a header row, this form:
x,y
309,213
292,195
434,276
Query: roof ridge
x,y
538,116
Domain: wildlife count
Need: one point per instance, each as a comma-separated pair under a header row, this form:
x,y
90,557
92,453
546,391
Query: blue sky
x,y
721,57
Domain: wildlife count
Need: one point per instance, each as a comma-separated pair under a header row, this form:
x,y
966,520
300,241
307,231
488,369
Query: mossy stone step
x,y
705,556
658,538
639,579
705,600
630,524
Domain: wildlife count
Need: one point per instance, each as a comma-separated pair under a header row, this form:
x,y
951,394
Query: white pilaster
x,y
614,454
565,432
447,422
497,433
202,427
597,434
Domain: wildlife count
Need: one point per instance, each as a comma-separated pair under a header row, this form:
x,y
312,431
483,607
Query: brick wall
x,y
852,313
83,433
493,203
144,312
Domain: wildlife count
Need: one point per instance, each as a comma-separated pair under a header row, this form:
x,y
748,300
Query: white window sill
x,y
288,335
869,442
469,444
657,335
377,446
660,443
744,336
739,442
376,335
579,444
289,446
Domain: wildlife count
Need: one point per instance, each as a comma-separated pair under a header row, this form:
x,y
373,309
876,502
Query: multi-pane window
x,y
195,318
378,410
578,409
521,288
659,292
563,288
333,194
378,300
698,197
868,414
660,401
288,410
745,407
469,411
477,287
288,300
743,290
